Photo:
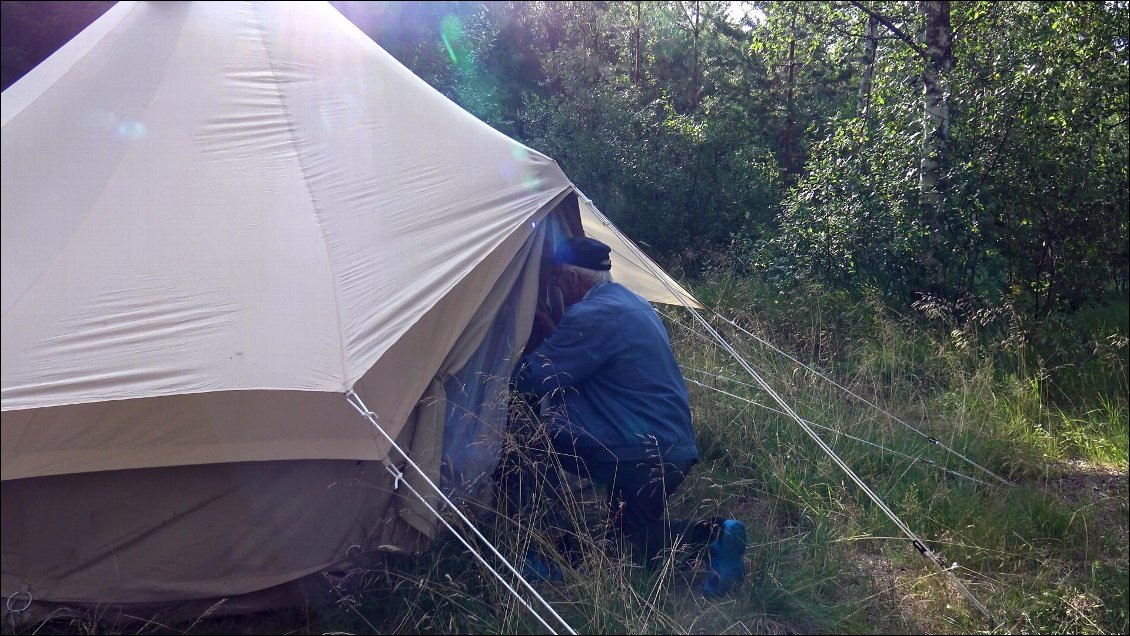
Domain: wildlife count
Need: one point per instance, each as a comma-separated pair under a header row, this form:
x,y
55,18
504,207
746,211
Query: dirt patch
x,y
1101,492
1082,483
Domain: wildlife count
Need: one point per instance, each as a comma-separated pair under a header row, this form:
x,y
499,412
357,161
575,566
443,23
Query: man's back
x,y
613,380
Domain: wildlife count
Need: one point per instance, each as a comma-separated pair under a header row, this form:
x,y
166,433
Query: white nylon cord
x,y
918,544
356,402
828,428
933,440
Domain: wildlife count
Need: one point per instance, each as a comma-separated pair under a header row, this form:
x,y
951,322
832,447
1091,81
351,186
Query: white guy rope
x,y
912,458
356,402
917,542
933,440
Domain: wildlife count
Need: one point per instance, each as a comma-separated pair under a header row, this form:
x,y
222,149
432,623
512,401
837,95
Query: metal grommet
x,y
21,609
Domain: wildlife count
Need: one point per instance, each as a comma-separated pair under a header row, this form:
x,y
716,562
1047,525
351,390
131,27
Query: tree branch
x,y
893,29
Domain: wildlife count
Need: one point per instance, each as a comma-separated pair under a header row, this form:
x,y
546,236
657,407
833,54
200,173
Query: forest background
x,y
957,169
974,152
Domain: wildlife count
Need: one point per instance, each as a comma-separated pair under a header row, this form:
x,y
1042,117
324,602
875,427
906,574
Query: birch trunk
x,y
868,67
939,49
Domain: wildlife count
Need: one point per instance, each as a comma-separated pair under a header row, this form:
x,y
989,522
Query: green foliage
x,y
840,229
1035,208
677,166
1046,555
807,74
736,155
726,145
1043,130
1029,551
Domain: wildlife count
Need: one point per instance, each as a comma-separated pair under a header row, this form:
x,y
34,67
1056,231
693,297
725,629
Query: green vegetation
x,y
1047,554
958,257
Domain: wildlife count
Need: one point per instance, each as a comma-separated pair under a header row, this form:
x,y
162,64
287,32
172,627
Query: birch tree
x,y
935,80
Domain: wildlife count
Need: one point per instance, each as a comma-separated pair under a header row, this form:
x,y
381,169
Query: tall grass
x,y
1047,554
1027,551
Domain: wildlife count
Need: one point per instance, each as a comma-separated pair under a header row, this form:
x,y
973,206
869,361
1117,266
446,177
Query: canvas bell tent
x,y
218,219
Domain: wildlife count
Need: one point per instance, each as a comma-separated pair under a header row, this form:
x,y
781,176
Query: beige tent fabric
x,y
630,266
521,275
219,217
239,527
187,532
284,519
202,428
265,425
199,182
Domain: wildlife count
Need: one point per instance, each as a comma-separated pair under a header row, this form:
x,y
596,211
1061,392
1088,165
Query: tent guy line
x,y
356,402
917,542
923,460
929,438
933,440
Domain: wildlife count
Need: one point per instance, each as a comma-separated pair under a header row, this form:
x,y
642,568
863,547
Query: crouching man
x,y
617,410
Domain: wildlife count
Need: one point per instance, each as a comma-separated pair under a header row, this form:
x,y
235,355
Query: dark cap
x,y
585,252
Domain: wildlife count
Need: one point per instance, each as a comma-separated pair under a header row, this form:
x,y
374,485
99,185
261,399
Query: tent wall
x,y
219,217
187,192
164,535
230,426
98,533
202,428
516,283
476,398
630,266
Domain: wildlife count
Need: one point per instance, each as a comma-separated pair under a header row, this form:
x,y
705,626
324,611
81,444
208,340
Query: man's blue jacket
x,y
613,385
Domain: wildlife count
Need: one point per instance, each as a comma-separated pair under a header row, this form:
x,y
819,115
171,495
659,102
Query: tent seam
x,y
79,225
309,192
117,165
71,68
543,209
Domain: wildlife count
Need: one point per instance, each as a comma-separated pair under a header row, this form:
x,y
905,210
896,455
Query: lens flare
x,y
131,130
531,181
450,30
